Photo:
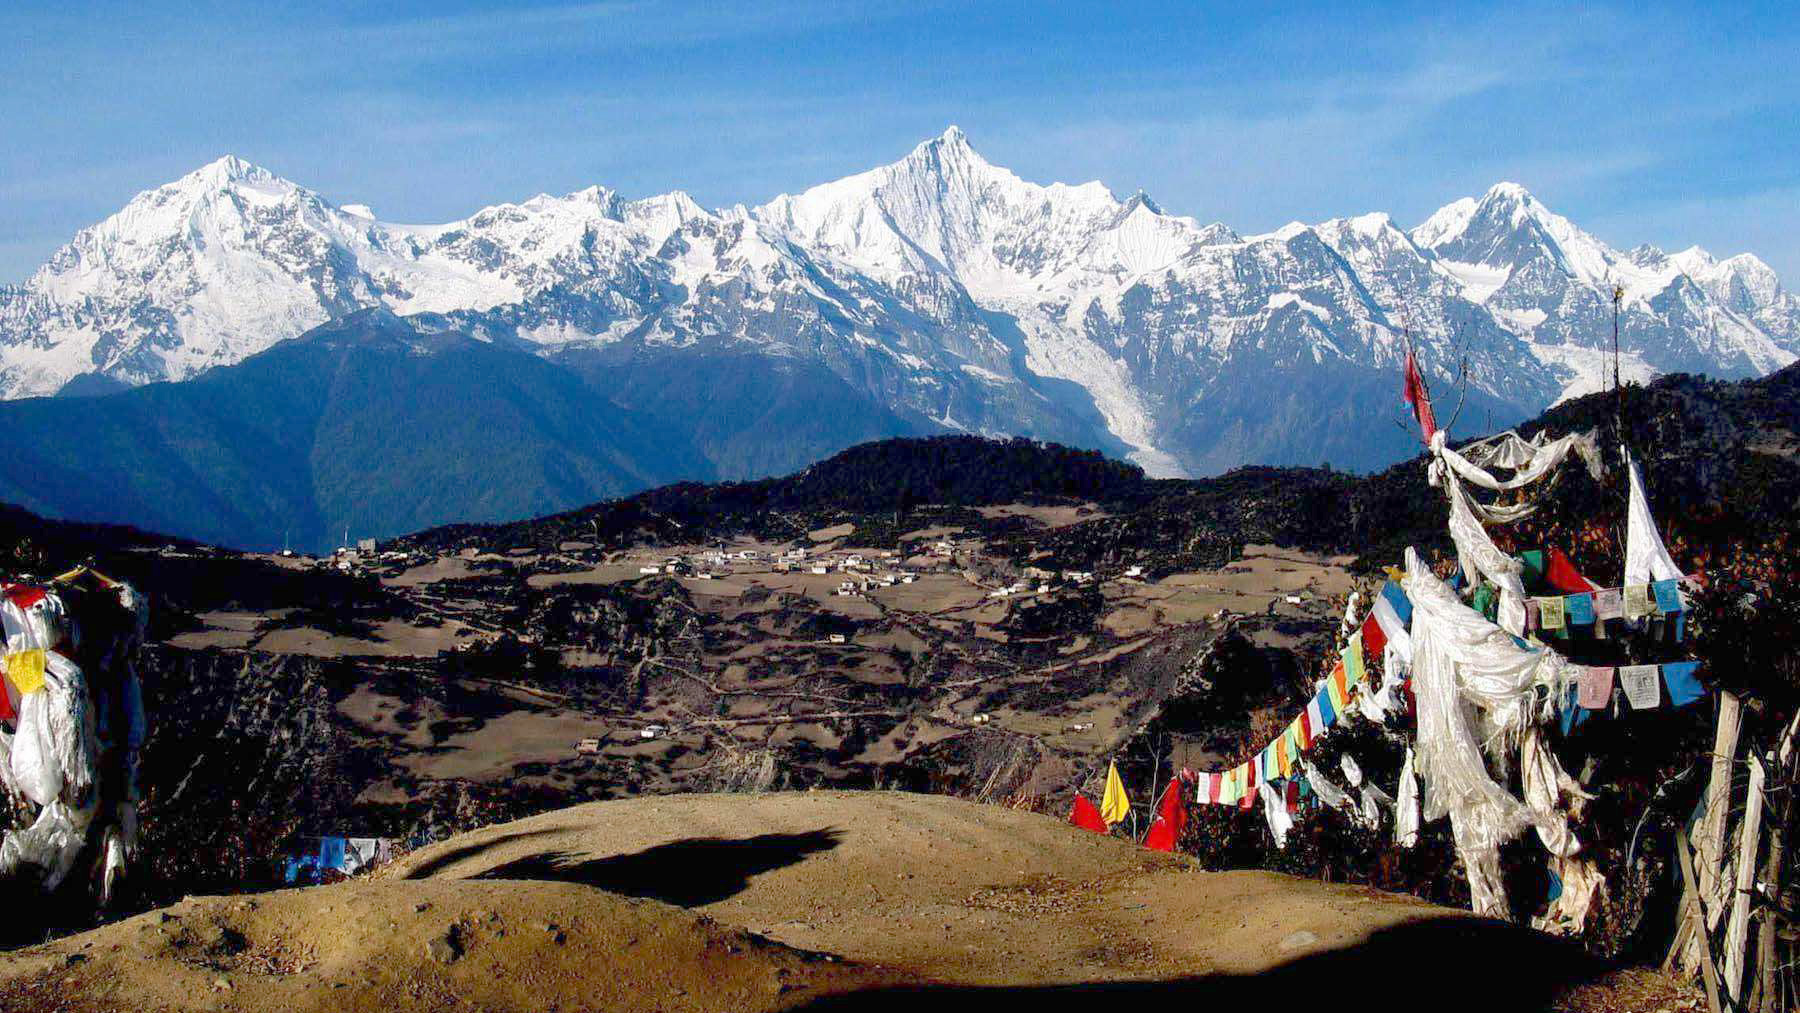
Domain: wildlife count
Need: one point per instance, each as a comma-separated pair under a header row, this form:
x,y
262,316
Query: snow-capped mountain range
x,y
942,288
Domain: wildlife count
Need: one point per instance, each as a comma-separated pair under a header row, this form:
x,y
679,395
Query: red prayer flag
x,y
1561,574
24,595
1374,638
1085,816
1416,396
1171,820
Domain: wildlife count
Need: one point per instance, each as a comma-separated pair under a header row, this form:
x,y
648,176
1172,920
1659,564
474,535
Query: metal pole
x,y
1619,388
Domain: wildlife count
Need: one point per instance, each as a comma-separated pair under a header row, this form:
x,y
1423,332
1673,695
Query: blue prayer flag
x,y
1580,608
1684,687
1573,714
1668,595
1402,604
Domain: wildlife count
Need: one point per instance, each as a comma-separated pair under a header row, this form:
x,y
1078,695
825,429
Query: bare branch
x,y
1462,392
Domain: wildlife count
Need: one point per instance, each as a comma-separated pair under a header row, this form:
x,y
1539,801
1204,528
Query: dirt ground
x,y
818,900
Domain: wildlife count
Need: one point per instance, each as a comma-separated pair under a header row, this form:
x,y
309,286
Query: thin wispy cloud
x,y
428,111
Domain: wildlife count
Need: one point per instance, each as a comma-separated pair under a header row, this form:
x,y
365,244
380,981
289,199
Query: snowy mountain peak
x,y
947,154
1506,192
1217,234
1445,223
1508,229
952,139
947,289
228,169
1500,213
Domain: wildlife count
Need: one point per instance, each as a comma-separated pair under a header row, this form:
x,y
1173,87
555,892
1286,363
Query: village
x,y
1018,655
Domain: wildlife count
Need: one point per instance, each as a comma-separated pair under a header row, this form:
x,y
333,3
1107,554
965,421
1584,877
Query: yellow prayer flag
x,y
25,670
1114,806
1353,660
1336,688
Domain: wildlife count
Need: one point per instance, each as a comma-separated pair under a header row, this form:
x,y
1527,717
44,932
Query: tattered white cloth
x,y
1530,462
1406,809
52,757
1330,794
1275,810
1646,559
1476,687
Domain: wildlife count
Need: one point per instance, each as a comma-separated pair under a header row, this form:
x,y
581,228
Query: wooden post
x,y
1718,804
1713,886
1749,836
1692,915
1691,937
1767,960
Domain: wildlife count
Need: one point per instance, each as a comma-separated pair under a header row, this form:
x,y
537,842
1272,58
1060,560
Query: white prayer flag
x,y
1642,686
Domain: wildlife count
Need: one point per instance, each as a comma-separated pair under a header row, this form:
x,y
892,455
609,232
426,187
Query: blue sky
x,y
1644,124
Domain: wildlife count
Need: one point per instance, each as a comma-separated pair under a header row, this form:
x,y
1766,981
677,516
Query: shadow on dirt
x,y
688,873
430,867
1437,964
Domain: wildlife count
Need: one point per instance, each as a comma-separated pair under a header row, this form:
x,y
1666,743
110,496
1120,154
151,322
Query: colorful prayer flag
x,y
1580,609
1114,805
1668,596
1391,621
25,670
1374,639
1398,602
1637,601
1609,603
1561,574
1550,613
1084,815
1684,685
1595,688
1642,688
1413,393
1335,690
1573,714
1171,820
1531,561
1353,661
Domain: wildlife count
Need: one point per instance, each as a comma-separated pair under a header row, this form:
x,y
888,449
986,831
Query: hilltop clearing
x,y
839,900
